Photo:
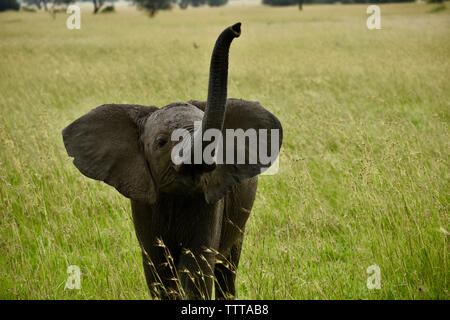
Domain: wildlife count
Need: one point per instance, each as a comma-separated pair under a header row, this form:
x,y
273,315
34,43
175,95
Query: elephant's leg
x,y
159,266
198,253
225,273
224,282
196,271
160,273
238,205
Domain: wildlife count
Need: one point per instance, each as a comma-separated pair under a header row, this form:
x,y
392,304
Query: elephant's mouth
x,y
184,182
194,180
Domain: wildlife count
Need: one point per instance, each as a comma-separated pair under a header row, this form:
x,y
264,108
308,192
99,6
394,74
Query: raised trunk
x,y
218,78
217,93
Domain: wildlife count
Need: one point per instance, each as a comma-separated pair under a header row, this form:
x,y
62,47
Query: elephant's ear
x,y
245,115
105,145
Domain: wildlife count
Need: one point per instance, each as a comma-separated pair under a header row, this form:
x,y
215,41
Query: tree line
x,y
300,2
153,6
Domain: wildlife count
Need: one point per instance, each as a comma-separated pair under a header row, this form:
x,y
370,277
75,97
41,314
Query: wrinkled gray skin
x,y
197,211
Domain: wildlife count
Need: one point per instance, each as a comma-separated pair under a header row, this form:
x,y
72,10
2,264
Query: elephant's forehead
x,y
177,115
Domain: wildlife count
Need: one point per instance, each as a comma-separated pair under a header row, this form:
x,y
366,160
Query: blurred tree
x,y
197,3
60,2
9,5
108,9
152,6
280,2
37,3
45,3
97,5
217,3
301,2
183,4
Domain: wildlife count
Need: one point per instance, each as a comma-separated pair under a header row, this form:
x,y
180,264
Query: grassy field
x,y
364,170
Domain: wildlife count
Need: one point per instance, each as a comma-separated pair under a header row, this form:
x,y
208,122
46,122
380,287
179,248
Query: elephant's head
x,y
130,146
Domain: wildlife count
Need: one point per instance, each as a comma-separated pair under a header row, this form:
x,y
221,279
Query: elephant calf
x,y
189,216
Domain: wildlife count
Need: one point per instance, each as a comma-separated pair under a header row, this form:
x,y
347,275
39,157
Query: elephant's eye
x,y
161,142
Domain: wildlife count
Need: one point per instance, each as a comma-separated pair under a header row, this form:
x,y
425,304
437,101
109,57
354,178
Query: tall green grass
x,y
364,169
